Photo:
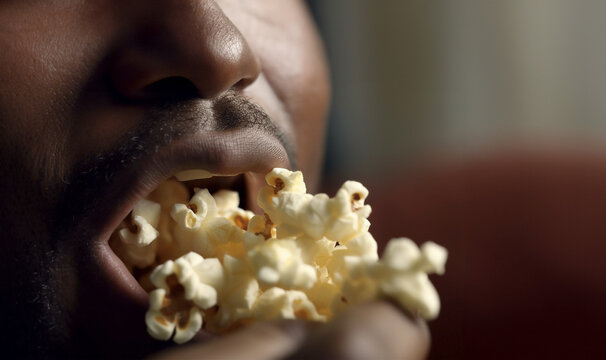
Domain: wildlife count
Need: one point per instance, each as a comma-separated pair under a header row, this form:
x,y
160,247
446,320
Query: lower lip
x,y
110,268
115,272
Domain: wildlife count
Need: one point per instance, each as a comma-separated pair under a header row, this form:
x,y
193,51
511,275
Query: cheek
x,y
308,105
48,50
293,64
32,107
303,86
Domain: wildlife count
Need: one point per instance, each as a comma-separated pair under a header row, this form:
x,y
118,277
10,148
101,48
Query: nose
x,y
183,48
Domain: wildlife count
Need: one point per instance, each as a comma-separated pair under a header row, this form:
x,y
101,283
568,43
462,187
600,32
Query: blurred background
x,y
481,125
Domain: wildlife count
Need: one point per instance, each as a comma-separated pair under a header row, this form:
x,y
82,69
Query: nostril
x,y
170,88
244,82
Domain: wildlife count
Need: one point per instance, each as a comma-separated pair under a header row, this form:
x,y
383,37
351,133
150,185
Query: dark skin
x,y
101,101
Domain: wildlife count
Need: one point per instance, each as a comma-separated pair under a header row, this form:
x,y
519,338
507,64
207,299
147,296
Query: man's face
x,y
100,101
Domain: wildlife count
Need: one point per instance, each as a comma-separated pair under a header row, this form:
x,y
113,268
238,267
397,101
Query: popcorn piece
x,y
402,275
226,201
201,206
364,246
434,258
285,304
167,194
317,252
134,255
284,196
285,209
227,207
185,286
219,238
144,216
259,229
296,213
286,180
349,214
358,288
136,246
166,317
351,260
189,219
209,228
279,262
323,294
240,292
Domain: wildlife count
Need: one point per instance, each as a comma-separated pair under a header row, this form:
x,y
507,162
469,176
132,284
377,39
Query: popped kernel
x,y
294,213
208,228
136,244
201,206
167,194
142,231
240,292
278,262
286,304
184,288
402,275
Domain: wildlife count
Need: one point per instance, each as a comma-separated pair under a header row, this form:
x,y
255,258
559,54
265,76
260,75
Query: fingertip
x,y
397,333
376,330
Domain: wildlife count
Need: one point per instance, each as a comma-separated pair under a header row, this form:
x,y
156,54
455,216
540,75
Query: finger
x,y
377,330
267,340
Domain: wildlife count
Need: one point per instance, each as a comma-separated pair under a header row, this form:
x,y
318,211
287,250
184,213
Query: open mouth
x,y
104,190
238,159
159,226
148,235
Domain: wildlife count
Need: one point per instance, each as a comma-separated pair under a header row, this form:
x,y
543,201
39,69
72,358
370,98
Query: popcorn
x,y
136,245
286,304
295,213
182,319
241,290
402,275
227,207
144,217
349,213
279,262
167,194
208,228
202,206
185,287
309,257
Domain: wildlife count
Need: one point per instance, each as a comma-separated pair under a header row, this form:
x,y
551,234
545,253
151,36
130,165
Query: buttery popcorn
x,y
402,275
279,262
217,266
136,244
185,287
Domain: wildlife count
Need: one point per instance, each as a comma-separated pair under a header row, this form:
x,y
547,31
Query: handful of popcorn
x,y
209,264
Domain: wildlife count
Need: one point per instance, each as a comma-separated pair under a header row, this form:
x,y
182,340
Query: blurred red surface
x,y
526,234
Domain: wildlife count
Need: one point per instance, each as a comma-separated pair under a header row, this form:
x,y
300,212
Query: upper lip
x,y
248,150
233,152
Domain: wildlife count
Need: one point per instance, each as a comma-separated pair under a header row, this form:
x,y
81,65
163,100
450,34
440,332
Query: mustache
x,y
167,122
162,125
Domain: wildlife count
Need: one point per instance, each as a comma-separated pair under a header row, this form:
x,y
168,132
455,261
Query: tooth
x,y
194,174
